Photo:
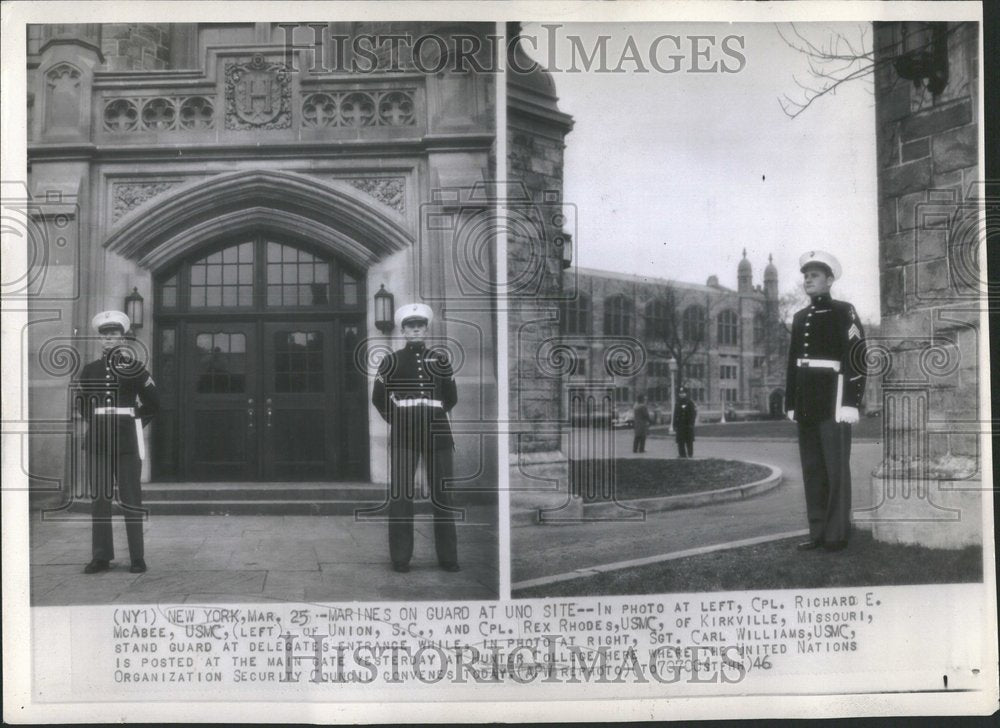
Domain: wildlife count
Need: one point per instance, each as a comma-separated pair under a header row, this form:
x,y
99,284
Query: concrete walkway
x,y
540,551
196,559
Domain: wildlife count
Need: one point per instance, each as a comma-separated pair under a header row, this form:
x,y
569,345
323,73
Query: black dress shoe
x,y
401,568
835,545
95,566
451,566
809,545
138,566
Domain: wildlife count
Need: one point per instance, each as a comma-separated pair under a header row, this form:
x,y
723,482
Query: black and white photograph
x,y
765,367
251,373
450,361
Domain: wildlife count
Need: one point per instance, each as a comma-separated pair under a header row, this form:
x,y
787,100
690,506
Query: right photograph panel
x,y
744,328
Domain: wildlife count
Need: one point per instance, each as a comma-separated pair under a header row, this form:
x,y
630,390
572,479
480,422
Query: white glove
x,y
791,415
849,415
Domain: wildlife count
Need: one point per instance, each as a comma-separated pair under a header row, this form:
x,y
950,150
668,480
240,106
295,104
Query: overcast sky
x,y
674,174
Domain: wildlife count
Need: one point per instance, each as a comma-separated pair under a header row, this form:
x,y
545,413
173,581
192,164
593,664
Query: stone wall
x,y
136,47
928,175
927,350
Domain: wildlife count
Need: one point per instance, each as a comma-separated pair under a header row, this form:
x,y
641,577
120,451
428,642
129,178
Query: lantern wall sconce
x,y
135,309
384,310
565,242
922,55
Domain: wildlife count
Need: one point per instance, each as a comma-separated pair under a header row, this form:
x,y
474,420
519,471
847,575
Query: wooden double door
x,y
272,400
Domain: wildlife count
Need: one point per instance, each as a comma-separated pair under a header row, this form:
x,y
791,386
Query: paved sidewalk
x,y
195,559
542,551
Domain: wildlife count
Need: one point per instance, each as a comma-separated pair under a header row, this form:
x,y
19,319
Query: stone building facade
x,y
257,198
737,369
927,352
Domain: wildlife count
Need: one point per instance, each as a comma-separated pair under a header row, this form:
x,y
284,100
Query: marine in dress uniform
x,y
414,391
685,414
116,397
825,384
640,421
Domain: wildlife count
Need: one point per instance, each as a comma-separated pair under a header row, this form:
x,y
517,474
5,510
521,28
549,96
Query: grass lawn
x,y
777,565
868,428
640,478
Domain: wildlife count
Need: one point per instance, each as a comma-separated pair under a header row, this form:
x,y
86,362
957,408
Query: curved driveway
x,y
539,551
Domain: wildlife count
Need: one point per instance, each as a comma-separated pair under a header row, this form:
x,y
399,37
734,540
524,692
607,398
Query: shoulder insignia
x,y
149,381
854,332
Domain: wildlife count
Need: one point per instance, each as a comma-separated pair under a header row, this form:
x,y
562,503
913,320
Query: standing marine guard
x,y
685,414
116,397
414,391
826,381
640,421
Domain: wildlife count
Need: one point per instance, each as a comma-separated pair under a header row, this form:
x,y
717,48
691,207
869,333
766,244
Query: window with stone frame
x,y
758,328
618,316
657,320
574,315
727,326
693,323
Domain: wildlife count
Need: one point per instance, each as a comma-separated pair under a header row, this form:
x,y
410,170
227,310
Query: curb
x,y
692,500
586,571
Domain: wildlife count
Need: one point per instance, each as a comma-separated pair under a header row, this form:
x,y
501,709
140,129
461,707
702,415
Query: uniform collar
x,y
415,346
822,299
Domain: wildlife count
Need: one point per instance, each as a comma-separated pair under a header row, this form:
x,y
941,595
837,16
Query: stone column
x,y
928,488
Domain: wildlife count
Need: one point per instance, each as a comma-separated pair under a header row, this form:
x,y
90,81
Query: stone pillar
x,y
57,201
536,130
928,488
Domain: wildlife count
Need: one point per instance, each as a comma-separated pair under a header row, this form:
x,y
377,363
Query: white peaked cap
x,y
821,256
411,311
110,318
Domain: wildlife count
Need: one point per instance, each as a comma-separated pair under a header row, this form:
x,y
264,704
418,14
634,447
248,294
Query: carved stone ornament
x,y
390,191
258,95
126,196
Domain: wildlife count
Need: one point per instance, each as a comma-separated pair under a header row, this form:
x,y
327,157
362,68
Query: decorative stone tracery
x,y
359,108
159,113
258,95
126,196
390,191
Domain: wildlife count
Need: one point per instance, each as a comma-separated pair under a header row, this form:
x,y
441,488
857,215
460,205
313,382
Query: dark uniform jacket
x,y
114,381
640,419
685,414
413,373
826,330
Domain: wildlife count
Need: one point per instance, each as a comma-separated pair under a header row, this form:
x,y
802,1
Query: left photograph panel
x,y
262,329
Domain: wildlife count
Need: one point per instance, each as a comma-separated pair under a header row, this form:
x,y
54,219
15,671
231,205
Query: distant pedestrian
x,y
640,421
826,381
685,415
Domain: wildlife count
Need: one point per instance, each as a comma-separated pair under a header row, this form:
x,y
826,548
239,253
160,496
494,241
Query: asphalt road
x,y
545,550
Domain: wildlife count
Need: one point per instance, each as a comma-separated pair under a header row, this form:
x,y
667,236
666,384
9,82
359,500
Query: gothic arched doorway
x,y
254,353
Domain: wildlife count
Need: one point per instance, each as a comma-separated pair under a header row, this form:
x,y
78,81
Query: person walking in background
x,y
685,414
825,383
115,396
414,391
640,421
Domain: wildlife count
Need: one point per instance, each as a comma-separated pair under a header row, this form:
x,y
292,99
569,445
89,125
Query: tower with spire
x,y
771,280
744,275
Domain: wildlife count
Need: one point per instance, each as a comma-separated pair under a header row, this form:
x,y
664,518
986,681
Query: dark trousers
x,y
639,442
105,472
685,443
825,449
436,454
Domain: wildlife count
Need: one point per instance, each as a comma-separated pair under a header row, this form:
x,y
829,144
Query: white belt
x,y
130,411
820,364
418,402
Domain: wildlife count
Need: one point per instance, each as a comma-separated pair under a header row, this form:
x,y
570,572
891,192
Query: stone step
x,y
256,507
157,492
